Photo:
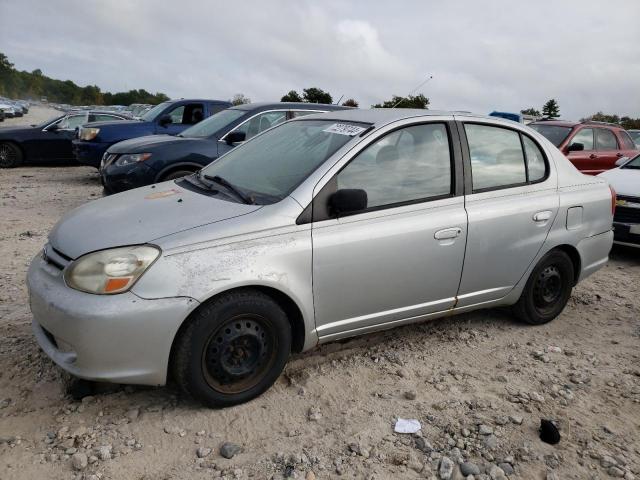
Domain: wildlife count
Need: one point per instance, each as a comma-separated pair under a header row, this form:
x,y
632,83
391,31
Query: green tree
x,y
316,95
551,109
530,111
240,99
412,101
602,117
350,103
292,96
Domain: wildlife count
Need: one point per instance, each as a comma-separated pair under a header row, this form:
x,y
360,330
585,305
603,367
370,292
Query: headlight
x,y
88,133
129,158
110,271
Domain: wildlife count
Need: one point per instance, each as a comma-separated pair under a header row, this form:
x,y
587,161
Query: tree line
x,y
551,110
317,95
34,85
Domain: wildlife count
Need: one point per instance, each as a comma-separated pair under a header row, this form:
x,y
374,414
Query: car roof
x,y
298,105
175,100
380,116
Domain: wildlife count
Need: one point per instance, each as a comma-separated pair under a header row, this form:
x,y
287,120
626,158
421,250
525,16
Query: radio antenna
x,y
339,100
413,91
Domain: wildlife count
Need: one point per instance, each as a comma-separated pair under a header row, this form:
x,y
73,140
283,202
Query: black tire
x,y
10,155
232,349
176,174
547,290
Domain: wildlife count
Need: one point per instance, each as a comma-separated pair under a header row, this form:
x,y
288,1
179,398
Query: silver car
x,y
324,227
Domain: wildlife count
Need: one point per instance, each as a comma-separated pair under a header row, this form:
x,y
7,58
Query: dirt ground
x,y
478,383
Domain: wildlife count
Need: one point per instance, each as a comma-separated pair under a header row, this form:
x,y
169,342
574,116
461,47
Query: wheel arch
x,y
574,255
177,166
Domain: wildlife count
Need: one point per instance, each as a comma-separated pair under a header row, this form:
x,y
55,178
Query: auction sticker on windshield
x,y
344,129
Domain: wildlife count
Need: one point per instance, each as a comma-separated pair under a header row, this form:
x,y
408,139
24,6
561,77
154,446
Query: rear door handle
x,y
447,233
542,216
593,155
619,155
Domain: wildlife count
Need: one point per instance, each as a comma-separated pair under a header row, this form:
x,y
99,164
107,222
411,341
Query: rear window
x,y
554,133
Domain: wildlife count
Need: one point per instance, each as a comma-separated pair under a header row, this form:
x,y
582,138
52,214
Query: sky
x,y
484,55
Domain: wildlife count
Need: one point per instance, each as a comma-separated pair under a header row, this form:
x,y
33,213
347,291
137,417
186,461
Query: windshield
x,y
554,133
635,135
271,165
634,163
151,115
214,123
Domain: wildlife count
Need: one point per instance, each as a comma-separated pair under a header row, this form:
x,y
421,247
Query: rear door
x,y
401,257
585,160
511,205
182,117
607,149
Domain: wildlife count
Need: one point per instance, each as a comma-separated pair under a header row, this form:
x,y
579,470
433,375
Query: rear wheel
x,y
547,290
232,349
176,174
10,155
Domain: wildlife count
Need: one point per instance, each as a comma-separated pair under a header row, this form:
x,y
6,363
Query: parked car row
x,y
13,108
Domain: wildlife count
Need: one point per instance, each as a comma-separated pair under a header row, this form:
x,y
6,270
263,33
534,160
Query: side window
x,y
585,137
535,160
605,139
301,113
261,122
497,159
102,117
410,164
176,114
72,121
627,142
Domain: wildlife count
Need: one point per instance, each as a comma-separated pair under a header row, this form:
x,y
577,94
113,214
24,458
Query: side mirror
x,y
348,200
235,137
53,128
621,161
575,147
165,120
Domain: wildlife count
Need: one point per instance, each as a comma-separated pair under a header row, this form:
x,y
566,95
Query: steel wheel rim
x,y
548,288
238,354
7,155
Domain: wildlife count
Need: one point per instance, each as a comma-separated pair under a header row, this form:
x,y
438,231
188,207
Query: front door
x,y
511,208
585,160
400,257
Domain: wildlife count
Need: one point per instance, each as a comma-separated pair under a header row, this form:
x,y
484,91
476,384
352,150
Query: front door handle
x,y
593,155
542,216
447,233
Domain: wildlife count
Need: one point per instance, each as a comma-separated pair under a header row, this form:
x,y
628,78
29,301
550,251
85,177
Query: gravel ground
x,y
478,383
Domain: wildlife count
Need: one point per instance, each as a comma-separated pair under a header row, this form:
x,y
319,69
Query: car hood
x,y
151,142
8,131
625,181
142,215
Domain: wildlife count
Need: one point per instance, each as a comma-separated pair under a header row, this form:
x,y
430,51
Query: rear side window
x,y
502,158
627,142
585,137
497,159
605,139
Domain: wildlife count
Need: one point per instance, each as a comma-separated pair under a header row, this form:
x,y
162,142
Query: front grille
x,y
627,215
55,257
108,158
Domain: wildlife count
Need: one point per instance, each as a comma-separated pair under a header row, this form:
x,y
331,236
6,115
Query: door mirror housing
x,y
575,147
621,161
165,120
348,200
53,128
235,137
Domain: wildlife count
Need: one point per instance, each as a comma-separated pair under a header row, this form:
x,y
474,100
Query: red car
x,y
592,147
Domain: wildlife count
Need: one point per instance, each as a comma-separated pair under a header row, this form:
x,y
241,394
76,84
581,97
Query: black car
x,y
146,160
49,142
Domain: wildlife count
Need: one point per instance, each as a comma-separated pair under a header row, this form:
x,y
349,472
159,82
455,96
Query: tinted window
x,y
497,159
585,137
605,139
553,133
535,160
301,113
261,122
409,164
627,142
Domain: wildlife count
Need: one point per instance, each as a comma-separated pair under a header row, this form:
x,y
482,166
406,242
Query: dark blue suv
x,y
169,118
146,160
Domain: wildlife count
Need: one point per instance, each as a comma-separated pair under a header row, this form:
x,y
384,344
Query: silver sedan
x,y
324,227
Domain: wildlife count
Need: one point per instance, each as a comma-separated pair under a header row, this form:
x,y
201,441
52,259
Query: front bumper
x,y
120,178
89,153
113,338
626,234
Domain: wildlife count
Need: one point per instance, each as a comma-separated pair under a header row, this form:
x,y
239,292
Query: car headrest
x,y
387,154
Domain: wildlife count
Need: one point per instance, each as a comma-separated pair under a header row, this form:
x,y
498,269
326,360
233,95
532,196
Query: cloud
x,y
494,54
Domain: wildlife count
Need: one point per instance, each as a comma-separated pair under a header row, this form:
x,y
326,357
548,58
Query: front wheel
x,y
10,155
547,290
233,349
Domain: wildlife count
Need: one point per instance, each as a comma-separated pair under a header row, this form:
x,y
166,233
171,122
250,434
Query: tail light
x,y
613,200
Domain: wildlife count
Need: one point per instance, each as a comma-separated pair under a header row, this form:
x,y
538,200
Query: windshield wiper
x,y
232,188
